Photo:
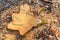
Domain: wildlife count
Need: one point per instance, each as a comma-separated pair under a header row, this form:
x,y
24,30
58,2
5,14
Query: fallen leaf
x,y
10,37
23,21
55,31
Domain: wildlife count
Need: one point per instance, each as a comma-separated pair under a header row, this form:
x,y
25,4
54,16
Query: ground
x,y
48,15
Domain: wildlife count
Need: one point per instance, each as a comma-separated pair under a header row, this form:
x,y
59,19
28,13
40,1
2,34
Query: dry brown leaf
x,y
23,21
10,37
54,30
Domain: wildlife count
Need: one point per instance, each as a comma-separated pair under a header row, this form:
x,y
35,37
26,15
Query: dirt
x,y
47,12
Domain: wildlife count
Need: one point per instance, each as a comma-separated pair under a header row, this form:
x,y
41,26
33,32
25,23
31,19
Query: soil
x,y
47,12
